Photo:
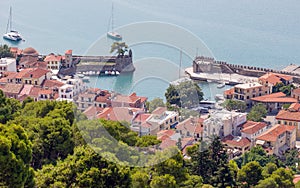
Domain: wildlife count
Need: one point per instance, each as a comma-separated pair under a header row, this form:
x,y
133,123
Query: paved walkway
x,y
223,77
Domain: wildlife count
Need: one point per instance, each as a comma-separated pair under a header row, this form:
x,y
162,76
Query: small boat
x,y
10,34
106,72
113,34
117,72
221,85
113,73
86,79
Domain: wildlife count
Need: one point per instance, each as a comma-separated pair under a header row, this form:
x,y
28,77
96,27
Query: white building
x,y
66,92
8,64
223,123
79,86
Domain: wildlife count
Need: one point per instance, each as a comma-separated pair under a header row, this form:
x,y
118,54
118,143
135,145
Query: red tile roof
x,y
34,92
274,97
192,125
159,110
45,92
36,73
23,72
142,117
273,133
163,134
92,111
296,91
52,57
251,127
11,88
229,91
118,113
52,84
167,143
275,78
26,90
68,52
288,115
294,107
236,141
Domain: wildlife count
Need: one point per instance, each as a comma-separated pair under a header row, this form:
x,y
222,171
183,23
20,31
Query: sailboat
x,y
113,34
10,34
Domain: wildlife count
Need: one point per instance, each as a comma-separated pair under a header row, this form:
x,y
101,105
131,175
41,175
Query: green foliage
x,y
235,105
155,103
257,113
286,89
166,181
206,161
147,140
291,158
267,183
119,47
251,173
192,182
269,169
258,154
5,51
140,179
84,168
15,156
49,127
186,94
8,108
283,177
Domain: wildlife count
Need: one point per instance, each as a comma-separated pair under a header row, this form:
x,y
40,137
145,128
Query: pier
x,y
208,69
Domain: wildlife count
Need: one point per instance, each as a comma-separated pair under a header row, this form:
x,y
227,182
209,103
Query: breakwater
x,y
203,64
97,65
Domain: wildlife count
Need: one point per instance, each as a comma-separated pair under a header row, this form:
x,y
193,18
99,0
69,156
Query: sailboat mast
x,y
112,17
180,63
10,18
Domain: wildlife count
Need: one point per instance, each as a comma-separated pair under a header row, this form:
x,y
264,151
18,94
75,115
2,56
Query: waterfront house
x,y
273,102
295,93
191,127
36,76
11,90
278,139
102,99
68,62
271,79
245,92
87,98
118,113
236,145
7,64
291,117
133,101
53,62
164,119
252,130
78,84
66,93
223,123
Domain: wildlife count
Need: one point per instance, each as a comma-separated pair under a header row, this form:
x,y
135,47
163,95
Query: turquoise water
x,y
249,32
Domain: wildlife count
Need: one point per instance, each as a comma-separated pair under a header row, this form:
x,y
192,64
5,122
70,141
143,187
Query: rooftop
x,y
13,88
251,127
248,85
275,78
275,97
273,133
236,141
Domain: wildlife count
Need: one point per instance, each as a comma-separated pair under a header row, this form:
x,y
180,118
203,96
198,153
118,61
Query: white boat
x,y
221,85
10,34
86,79
117,72
113,34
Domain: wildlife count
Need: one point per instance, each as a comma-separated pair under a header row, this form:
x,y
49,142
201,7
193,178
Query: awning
x,y
260,142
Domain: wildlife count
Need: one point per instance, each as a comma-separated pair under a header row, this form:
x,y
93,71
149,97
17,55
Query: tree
x,y
186,94
235,105
251,173
283,177
257,113
140,179
15,156
269,169
192,182
155,103
5,51
286,89
267,183
165,181
119,47
223,177
84,168
8,108
233,169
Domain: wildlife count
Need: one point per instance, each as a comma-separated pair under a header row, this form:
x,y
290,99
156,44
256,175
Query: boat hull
x,y
114,36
